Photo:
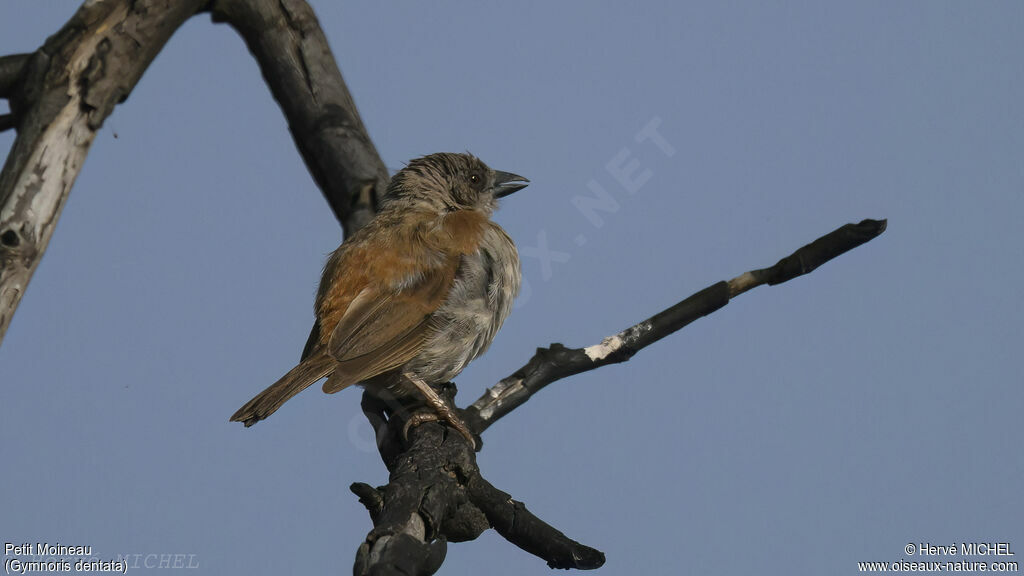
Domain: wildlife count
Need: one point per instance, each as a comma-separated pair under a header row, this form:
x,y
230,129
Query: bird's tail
x,y
296,380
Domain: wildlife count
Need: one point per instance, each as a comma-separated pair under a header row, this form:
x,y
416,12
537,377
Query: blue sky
x,y
833,419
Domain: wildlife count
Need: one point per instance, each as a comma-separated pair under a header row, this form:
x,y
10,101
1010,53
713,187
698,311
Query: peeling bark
x,y
60,96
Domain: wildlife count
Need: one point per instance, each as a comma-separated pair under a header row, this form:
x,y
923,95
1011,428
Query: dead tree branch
x,y
557,361
436,494
11,69
285,38
60,96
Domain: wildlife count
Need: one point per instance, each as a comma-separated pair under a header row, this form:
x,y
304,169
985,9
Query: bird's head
x,y
448,182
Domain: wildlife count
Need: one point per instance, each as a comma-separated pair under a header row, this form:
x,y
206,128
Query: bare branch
x,y
11,68
285,38
62,96
557,361
512,520
436,494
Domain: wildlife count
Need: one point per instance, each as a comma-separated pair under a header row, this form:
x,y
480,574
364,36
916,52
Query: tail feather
x,y
296,380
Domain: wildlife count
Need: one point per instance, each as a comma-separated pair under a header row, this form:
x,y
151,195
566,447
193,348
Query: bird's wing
x,y
382,329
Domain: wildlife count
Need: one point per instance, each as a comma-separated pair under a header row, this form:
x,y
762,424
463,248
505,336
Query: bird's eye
x,y
475,178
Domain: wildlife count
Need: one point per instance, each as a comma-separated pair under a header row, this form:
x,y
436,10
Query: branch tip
x,y
556,362
369,497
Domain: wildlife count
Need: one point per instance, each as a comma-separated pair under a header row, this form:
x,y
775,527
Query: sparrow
x,y
415,295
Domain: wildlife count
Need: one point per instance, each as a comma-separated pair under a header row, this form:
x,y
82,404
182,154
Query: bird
x,y
413,296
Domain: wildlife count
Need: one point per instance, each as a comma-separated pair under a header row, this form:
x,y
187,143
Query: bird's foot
x,y
441,411
425,416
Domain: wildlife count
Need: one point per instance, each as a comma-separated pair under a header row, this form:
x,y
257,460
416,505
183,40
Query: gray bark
x,y
60,96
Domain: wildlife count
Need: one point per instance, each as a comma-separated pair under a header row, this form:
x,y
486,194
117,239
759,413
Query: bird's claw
x,y
424,416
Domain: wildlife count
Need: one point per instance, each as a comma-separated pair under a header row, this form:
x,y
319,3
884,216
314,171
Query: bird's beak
x,y
506,183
